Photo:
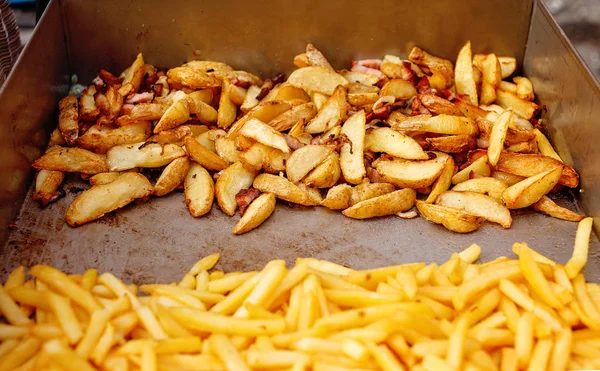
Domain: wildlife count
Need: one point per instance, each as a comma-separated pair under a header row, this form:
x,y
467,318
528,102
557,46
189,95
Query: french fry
x,y
63,311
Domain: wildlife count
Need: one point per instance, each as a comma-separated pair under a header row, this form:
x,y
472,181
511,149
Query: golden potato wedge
x,y
469,110
528,165
318,79
394,143
135,73
521,107
264,111
399,89
524,147
360,77
208,65
68,119
439,105
88,111
226,149
283,189
393,67
498,136
452,219
265,134
289,118
101,199
250,100
508,87
237,94
544,145
326,174
172,176
301,60
476,204
56,139
199,190
442,69
287,92
144,111
143,154
409,174
318,99
479,167
365,191
491,78
208,138
177,136
297,132
508,65
104,178
338,197
305,159
546,206
351,154
258,211
244,76
46,186
453,143
313,193
72,160
532,189
204,156
524,88
487,185
463,74
441,124
362,99
507,178
227,110
175,115
332,113
193,78
231,181
443,182
100,139
316,58
388,204
259,156
513,136
199,105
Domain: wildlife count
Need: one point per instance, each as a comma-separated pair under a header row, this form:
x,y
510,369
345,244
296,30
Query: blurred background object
x,y
10,42
580,20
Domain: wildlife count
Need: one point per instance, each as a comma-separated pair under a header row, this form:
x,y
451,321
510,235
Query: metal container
x,y
158,240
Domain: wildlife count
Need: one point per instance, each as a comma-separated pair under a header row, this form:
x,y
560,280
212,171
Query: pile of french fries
x,y
373,137
529,313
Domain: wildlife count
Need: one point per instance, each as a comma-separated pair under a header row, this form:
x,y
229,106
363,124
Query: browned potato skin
x,y
388,204
531,164
452,219
365,191
193,78
453,143
68,119
47,189
88,111
546,206
101,199
289,118
72,160
439,105
101,141
172,176
204,156
258,211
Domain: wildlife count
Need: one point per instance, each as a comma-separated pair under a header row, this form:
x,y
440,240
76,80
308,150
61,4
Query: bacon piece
x,y
245,197
369,70
418,108
408,74
370,63
423,86
108,77
140,98
373,175
240,83
380,113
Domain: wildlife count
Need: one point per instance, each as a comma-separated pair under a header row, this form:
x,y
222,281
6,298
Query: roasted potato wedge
x,y
265,134
479,167
313,193
143,154
318,79
399,89
264,111
486,185
360,77
543,144
209,137
463,74
305,159
507,178
442,69
258,211
283,189
72,160
244,76
365,191
177,136
88,111
101,199
546,206
288,92
135,73
452,219
193,78
477,204
289,118
198,105
104,178
338,197
491,78
175,115
100,139
47,183
68,119
508,65
439,105
394,143
362,99
316,58
332,113
498,136
453,143
441,124
326,174
259,156
250,101
204,156
409,174
231,181
237,94
521,107
208,65
351,154
524,88
531,190
528,165
443,182
226,149
199,190
144,111
227,110
388,204
172,176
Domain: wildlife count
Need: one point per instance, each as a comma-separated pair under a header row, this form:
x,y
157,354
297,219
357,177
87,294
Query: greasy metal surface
x,y
159,240
263,36
27,110
565,85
